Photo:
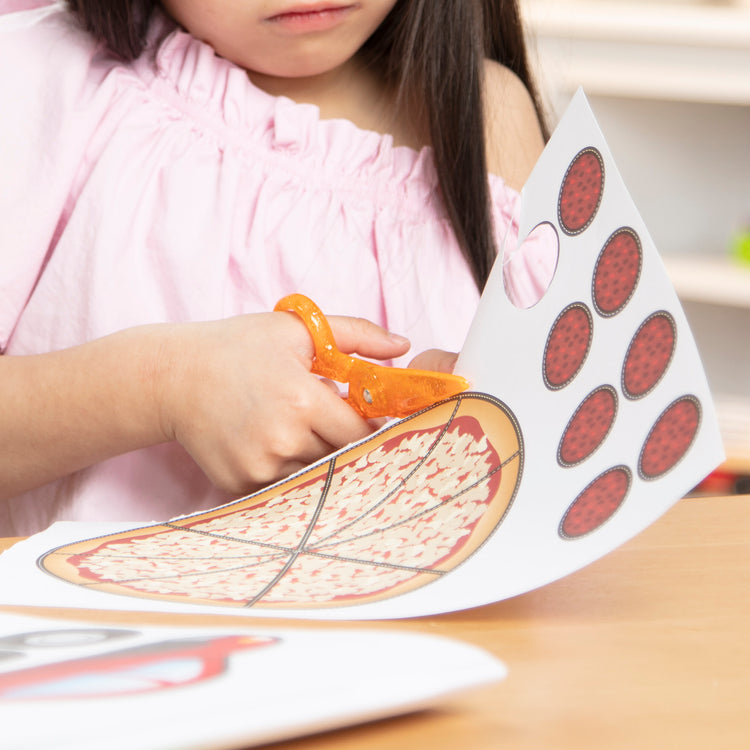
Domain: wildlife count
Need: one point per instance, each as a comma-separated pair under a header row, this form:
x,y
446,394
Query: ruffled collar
x,y
220,91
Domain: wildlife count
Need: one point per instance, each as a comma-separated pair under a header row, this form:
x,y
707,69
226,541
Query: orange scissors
x,y
374,390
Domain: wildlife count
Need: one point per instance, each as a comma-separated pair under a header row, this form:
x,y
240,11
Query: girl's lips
x,y
320,17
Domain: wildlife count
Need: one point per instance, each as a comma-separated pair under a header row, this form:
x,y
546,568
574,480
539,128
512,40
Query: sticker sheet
x,y
589,416
84,686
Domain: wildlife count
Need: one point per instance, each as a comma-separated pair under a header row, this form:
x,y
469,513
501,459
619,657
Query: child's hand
x,y
239,396
436,360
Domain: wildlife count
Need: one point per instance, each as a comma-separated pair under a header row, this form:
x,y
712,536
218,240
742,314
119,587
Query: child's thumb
x,y
436,360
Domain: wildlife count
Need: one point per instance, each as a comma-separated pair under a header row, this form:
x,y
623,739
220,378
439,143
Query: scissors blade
x,y
377,391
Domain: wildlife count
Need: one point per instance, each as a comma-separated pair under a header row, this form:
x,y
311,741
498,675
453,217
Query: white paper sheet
x,y
84,686
591,417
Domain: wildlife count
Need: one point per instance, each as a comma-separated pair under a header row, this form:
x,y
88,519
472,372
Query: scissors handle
x,y
374,390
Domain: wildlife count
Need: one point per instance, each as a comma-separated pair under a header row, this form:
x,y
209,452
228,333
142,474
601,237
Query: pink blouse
x,y
172,189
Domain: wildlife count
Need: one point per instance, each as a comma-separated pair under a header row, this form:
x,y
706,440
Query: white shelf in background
x,y
710,280
674,51
733,414
694,24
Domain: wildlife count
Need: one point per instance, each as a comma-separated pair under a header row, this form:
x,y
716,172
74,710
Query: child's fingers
x,y
366,338
336,422
296,435
436,360
312,448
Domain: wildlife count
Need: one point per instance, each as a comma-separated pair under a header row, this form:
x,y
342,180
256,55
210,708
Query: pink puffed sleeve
x,y
11,6
49,81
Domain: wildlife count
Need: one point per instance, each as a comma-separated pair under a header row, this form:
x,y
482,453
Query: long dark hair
x,y
433,54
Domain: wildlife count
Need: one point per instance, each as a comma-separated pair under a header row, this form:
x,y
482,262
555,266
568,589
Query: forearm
x,y
63,411
237,394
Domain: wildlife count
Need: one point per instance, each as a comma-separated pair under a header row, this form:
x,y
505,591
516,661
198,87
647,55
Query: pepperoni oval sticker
x,y
649,354
670,437
617,271
567,345
581,191
588,427
597,503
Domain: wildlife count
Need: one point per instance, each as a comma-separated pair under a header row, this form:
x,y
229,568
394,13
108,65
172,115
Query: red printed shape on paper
x,y
670,438
567,345
617,271
597,503
581,191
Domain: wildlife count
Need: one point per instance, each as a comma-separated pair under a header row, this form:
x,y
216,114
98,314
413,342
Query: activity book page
x,y
588,417
83,685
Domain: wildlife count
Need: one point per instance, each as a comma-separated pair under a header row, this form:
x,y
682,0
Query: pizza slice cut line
x,y
394,567
295,553
384,529
281,548
399,485
182,557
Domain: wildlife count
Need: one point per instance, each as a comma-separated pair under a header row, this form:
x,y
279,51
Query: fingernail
x,y
396,339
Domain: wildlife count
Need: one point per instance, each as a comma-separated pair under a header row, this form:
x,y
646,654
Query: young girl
x,y
168,171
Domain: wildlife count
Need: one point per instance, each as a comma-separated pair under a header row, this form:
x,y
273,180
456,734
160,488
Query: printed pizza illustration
x,y
377,519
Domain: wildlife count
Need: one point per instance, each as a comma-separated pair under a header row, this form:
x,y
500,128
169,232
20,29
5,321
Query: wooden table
x,y
647,648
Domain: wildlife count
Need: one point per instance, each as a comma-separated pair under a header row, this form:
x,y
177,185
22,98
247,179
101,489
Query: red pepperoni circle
x,y
649,354
597,503
617,271
588,427
670,437
581,191
567,345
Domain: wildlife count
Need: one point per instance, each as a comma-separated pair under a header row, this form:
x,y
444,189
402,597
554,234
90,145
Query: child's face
x,y
282,38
